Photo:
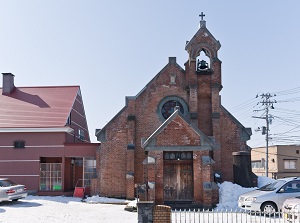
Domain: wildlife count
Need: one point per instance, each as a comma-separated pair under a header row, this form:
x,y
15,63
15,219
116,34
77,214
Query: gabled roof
x,y
203,31
172,61
205,140
37,107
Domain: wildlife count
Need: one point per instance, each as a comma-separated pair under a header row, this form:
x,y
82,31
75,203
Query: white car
x,y
269,198
291,209
11,191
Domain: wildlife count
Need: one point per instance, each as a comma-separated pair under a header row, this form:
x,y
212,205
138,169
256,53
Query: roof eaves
x,y
240,125
103,129
49,129
217,42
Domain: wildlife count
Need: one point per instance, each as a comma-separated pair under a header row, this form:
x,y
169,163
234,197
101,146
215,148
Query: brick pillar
x,y
161,214
209,187
198,191
159,178
130,172
94,187
129,186
242,171
149,176
130,154
145,211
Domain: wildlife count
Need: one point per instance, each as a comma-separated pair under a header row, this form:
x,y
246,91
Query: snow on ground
x,y
95,209
62,209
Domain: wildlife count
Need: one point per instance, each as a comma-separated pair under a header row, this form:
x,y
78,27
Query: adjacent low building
x,y
283,161
44,138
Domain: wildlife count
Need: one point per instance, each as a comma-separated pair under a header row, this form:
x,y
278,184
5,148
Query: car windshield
x,y
7,183
272,186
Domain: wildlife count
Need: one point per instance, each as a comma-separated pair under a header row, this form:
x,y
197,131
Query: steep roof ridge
x,y
158,74
240,125
203,29
51,86
127,98
74,103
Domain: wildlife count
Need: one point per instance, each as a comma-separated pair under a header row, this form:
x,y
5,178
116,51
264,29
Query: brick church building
x,y
174,141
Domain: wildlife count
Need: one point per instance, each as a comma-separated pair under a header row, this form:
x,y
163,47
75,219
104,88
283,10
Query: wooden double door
x,y
178,180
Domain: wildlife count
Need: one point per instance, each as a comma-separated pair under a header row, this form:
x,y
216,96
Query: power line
x,y
268,104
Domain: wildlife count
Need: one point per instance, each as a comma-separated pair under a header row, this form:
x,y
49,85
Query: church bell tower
x,y
203,70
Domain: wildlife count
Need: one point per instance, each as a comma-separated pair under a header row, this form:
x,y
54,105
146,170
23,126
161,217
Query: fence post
x,y
145,211
162,214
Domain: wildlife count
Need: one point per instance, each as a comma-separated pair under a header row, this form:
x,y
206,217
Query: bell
x,y
203,65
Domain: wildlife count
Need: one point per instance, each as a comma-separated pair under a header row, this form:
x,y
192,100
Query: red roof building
x,y
44,138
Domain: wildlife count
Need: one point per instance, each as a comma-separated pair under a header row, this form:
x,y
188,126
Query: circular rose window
x,y
169,107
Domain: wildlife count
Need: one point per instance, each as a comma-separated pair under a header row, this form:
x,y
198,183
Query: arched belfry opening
x,y
203,61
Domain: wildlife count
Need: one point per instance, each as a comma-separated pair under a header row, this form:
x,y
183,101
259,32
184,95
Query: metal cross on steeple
x,y
201,15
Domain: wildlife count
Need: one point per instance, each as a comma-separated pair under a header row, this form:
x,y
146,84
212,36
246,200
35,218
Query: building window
x,y
178,155
81,134
90,171
290,164
166,107
50,176
257,164
69,120
169,107
297,151
19,144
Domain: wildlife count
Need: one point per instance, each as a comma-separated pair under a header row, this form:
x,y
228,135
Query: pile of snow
x,y
130,205
105,200
229,193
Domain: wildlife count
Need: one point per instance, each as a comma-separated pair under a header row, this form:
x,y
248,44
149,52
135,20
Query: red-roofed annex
x,y
44,138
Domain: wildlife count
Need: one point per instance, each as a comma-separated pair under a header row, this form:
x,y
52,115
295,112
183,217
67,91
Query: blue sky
x,y
112,49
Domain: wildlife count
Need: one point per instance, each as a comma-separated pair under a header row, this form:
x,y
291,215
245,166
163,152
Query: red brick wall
x,y
230,142
178,132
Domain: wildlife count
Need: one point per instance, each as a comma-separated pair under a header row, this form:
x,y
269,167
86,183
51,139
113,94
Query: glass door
x,y
50,176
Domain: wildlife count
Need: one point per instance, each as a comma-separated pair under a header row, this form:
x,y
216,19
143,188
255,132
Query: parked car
x,y
11,191
270,198
291,209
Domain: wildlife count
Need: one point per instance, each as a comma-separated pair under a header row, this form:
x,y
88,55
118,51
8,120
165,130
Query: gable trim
x,y
179,148
205,141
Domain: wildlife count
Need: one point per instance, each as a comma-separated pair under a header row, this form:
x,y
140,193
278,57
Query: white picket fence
x,y
226,216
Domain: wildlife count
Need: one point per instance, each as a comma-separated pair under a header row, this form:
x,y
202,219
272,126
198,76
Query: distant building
x,y
283,161
174,140
44,138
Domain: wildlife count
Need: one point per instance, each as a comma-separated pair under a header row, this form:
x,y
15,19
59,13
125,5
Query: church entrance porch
x,y
178,177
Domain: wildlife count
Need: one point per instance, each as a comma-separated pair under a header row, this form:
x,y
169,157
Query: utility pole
x,y
268,103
